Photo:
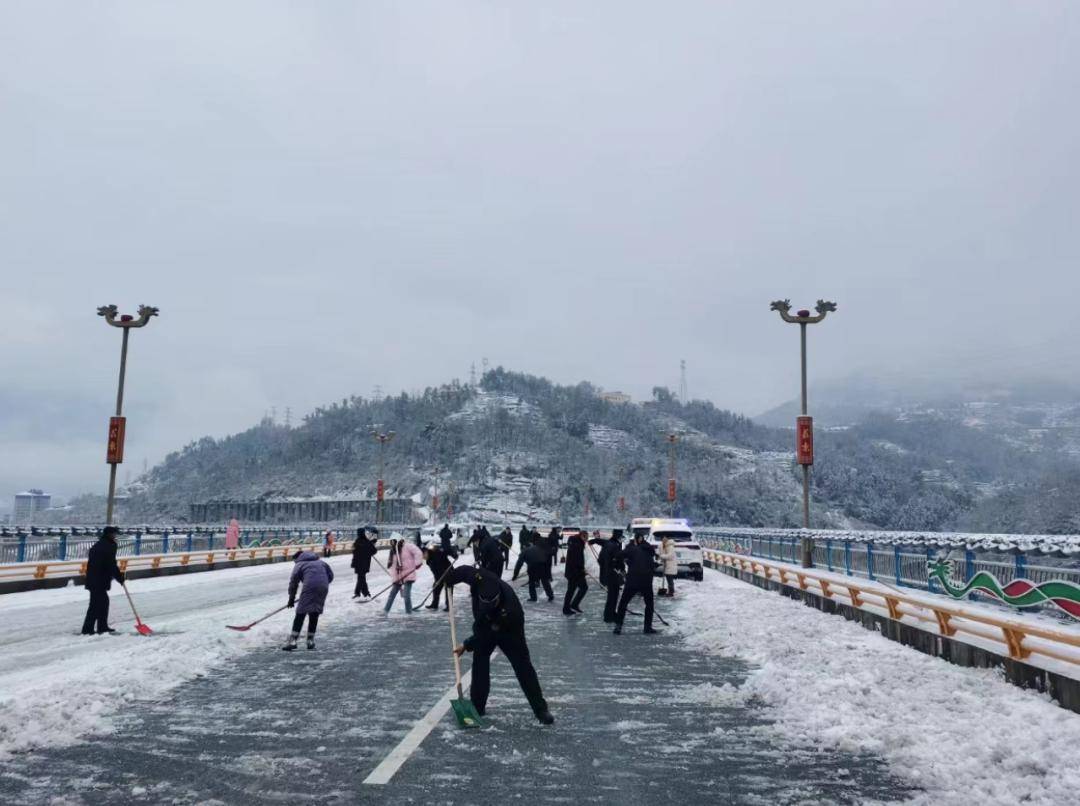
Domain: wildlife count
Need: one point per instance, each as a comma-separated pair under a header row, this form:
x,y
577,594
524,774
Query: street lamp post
x,y
804,426
115,453
672,439
380,488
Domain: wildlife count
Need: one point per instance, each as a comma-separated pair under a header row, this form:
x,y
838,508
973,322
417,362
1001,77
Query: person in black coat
x,y
524,538
640,558
553,546
101,570
439,564
446,537
611,571
576,584
475,540
538,564
498,623
362,551
490,555
506,542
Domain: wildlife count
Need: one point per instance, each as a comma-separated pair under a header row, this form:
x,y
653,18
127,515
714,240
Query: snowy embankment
x,y
57,686
959,735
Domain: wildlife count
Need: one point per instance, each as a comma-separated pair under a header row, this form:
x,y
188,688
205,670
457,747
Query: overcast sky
x,y
322,197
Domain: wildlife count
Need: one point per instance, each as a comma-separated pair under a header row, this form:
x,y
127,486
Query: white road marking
x,y
413,739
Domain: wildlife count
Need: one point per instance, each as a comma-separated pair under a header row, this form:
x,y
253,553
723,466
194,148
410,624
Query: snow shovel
x,y
246,627
464,710
140,628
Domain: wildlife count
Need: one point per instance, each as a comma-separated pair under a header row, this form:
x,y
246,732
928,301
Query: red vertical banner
x,y
379,488
114,455
434,503
671,490
804,440
622,503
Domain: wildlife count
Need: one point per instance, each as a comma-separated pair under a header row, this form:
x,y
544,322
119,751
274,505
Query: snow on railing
x,y
1022,637
1008,578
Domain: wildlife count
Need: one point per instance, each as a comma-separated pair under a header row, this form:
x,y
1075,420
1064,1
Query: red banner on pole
x,y
114,455
434,503
622,503
804,440
671,490
379,490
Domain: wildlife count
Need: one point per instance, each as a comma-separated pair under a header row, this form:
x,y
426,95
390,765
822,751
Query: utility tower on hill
x,y
682,381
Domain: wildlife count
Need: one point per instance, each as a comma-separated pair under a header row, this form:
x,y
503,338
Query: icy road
x,y
752,698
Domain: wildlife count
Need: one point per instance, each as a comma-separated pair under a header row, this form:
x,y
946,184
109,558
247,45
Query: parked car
x,y
687,549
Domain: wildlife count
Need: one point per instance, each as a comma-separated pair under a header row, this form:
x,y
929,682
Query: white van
x,y
687,549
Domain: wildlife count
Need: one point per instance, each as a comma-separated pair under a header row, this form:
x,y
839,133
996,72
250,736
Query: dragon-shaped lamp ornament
x,y
117,424
804,428
126,320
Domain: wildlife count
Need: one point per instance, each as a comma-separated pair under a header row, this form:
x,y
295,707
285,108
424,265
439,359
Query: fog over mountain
x,y
326,198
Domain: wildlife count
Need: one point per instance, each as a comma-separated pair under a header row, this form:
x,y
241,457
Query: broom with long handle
x,y
464,710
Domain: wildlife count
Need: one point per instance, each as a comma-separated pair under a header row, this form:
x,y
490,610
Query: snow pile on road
x,y
57,686
958,735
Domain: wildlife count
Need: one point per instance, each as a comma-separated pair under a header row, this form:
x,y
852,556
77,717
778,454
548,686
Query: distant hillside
x,y
519,446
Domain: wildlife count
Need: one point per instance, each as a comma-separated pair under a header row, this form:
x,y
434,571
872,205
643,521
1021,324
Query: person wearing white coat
x,y
670,565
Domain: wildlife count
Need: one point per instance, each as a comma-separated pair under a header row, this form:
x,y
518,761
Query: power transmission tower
x,y
682,381
273,415
376,393
288,417
472,374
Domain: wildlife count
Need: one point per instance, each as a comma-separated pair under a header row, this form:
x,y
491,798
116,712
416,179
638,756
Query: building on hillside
x,y
615,397
28,505
306,510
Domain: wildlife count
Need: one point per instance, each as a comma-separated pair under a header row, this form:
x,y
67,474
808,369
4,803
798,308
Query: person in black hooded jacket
x,y
538,565
490,555
101,570
611,571
640,558
439,564
446,537
576,584
498,623
362,551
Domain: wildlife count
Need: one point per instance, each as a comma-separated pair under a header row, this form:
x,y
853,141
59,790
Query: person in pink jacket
x,y
405,560
232,535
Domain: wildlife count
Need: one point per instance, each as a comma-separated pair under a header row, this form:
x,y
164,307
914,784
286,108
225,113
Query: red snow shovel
x,y
140,628
246,627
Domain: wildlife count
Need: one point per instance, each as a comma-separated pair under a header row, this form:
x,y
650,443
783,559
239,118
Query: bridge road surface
x,y
635,723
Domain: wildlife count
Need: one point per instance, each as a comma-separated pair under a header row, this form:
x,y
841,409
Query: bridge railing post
x,y
870,560
929,562
847,557
828,553
20,556
138,543
969,564
189,541
1021,566
63,547
896,563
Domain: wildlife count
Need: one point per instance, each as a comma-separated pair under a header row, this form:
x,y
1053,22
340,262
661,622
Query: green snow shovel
x,y
463,709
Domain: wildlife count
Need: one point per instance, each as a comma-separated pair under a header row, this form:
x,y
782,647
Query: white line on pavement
x,y
412,740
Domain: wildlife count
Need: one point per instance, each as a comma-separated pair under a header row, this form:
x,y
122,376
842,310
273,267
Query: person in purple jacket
x,y
315,576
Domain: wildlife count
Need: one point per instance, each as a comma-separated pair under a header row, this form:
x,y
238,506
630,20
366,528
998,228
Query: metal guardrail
x,y
897,564
134,542
1022,639
199,556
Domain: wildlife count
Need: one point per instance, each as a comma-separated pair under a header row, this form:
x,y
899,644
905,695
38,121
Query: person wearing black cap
x,y
576,586
640,558
490,555
101,570
439,564
498,623
611,571
538,565
363,550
